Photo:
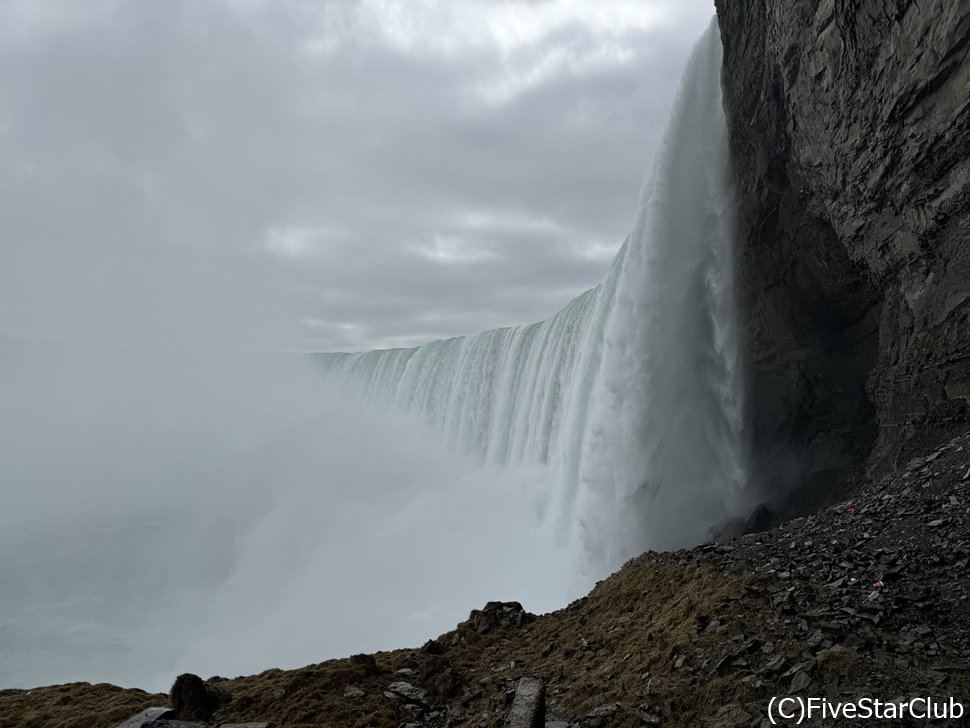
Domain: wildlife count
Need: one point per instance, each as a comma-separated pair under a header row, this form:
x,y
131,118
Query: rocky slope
x,y
850,130
870,597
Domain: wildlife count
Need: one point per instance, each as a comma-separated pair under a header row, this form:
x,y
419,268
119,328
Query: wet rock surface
x,y
849,124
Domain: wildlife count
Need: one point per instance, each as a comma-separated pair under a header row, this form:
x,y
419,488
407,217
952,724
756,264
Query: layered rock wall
x,y
850,131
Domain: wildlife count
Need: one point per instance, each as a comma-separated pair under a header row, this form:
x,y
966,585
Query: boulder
x,y
529,704
407,691
497,615
195,699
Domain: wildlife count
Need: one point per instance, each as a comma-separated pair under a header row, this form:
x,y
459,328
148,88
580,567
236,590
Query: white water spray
x,y
166,513
631,394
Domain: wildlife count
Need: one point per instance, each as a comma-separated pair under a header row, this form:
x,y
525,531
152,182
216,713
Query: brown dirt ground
x,y
75,705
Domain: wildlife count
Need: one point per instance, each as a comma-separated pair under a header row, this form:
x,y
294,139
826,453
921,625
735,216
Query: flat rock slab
x,y
407,691
529,705
174,724
147,716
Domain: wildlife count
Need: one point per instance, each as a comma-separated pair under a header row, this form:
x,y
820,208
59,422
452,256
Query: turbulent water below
x,y
236,515
223,515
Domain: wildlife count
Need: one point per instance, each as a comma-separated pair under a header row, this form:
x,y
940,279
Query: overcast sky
x,y
327,175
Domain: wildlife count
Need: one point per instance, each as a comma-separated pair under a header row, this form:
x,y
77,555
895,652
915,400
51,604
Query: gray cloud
x,y
320,176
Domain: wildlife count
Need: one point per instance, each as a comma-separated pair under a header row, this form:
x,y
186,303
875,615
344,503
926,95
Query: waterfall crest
x,y
631,394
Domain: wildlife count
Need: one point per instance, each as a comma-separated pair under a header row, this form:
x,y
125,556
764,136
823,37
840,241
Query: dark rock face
x,y
195,699
849,124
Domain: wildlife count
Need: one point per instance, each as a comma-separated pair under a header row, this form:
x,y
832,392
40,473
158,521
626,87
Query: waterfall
x,y
630,396
197,498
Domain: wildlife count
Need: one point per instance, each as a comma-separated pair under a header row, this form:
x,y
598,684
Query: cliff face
x,y
850,131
